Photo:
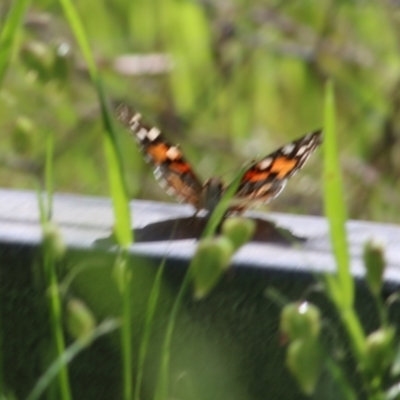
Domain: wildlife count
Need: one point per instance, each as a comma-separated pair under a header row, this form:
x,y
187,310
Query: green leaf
x,y
395,369
335,208
69,354
9,33
122,228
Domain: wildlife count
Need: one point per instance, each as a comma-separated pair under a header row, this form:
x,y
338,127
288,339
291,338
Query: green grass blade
x,y
77,28
126,331
49,173
161,391
212,224
338,374
335,208
144,344
223,205
56,324
68,355
341,286
50,254
9,33
122,226
41,205
118,190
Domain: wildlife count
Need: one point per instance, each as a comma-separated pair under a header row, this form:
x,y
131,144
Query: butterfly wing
x,y
170,168
265,179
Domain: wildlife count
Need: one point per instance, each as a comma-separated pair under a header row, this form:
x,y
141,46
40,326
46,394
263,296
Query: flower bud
x,y
122,273
379,351
62,65
375,265
238,230
300,321
23,134
38,58
80,319
212,257
304,359
52,241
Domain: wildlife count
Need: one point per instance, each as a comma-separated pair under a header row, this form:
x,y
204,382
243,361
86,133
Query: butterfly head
x,y
212,193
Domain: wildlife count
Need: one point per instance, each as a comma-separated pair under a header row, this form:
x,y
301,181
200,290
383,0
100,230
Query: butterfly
x,y
262,182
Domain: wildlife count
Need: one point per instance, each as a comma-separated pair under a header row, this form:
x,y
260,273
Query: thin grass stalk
x,y
122,227
338,374
341,287
126,331
220,210
49,174
335,208
162,387
216,217
144,343
68,355
49,266
9,33
123,231
56,323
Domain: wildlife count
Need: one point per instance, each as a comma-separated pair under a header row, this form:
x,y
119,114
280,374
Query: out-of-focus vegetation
x,y
227,80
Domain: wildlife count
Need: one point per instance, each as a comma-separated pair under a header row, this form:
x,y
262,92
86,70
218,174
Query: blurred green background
x,y
228,80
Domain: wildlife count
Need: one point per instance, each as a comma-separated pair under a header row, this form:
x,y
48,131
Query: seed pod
x,y
80,320
374,262
300,321
238,230
211,259
304,360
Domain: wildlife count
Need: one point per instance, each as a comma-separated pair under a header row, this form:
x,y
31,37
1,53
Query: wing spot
x,y
142,134
153,134
173,153
288,149
302,150
264,164
135,119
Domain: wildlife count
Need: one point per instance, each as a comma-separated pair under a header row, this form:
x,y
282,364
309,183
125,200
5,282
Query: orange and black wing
x,y
265,179
170,168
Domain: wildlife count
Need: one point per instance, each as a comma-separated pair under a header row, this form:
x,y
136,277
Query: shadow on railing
x,y
192,228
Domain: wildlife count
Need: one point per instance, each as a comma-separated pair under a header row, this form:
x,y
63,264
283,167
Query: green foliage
x,y
211,258
231,83
9,33
342,289
52,253
373,352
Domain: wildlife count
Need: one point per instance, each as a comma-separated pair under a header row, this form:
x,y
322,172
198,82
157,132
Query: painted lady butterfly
x,y
261,183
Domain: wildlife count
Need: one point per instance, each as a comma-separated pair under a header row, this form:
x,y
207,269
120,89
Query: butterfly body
x,y
262,182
